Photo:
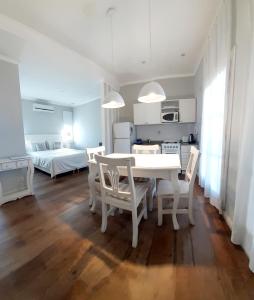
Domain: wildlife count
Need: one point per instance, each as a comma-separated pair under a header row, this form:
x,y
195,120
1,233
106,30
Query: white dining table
x,y
165,166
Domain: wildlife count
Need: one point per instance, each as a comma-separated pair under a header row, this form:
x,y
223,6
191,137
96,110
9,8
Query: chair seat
x,y
165,187
141,188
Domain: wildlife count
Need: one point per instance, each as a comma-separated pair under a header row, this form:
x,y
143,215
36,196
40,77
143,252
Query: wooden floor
x,y
51,247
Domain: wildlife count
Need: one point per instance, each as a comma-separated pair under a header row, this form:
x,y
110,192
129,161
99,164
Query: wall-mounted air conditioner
x,y
43,108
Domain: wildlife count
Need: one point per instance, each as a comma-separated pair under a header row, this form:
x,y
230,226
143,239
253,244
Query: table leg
x,y
174,179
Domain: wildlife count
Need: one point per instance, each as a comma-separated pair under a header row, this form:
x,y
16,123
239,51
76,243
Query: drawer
x,y
8,166
22,164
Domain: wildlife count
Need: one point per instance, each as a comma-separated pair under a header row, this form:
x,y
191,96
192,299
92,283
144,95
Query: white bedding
x,y
59,161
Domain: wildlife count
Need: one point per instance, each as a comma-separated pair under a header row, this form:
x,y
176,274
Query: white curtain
x,y
215,76
109,117
243,221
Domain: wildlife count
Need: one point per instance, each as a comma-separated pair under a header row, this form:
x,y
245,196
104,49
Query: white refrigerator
x,y
124,136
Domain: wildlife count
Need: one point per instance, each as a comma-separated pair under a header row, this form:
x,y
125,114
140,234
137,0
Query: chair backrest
x,y
92,151
146,149
192,166
109,167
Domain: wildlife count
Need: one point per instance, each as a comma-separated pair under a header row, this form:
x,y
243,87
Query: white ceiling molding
x,y
158,78
86,102
60,104
42,101
8,59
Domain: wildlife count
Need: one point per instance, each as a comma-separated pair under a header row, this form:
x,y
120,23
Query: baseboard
x,y
228,220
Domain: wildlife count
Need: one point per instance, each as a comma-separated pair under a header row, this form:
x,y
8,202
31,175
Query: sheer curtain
x,y
215,74
109,117
243,221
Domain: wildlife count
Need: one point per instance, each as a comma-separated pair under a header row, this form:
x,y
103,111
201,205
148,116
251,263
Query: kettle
x,y
191,139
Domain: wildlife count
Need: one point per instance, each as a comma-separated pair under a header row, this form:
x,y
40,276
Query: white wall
x,y
11,126
41,122
172,132
182,87
87,124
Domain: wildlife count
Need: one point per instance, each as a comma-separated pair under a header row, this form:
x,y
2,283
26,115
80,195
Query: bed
x,y
54,161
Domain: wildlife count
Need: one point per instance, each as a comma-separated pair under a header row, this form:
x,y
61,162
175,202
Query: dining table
x,y
159,166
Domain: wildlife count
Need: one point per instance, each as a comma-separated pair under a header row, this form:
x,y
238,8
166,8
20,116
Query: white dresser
x,y
14,163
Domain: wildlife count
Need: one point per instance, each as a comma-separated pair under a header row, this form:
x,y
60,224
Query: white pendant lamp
x,y
151,92
113,99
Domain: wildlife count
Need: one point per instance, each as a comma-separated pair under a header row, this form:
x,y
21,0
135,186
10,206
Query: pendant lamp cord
x,y
112,41
150,27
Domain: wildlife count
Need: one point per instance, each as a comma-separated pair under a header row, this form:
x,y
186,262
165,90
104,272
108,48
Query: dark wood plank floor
x,y
51,247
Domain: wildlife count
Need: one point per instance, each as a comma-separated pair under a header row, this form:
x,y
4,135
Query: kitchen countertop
x,y
159,142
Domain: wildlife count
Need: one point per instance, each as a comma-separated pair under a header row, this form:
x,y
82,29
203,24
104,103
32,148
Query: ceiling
x,y
178,27
49,71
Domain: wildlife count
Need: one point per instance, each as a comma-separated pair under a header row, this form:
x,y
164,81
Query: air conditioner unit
x,y
43,108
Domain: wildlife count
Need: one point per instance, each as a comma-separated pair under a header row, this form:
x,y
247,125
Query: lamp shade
x,y
151,92
113,100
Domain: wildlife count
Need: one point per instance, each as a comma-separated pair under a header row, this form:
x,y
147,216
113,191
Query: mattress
x,y
59,161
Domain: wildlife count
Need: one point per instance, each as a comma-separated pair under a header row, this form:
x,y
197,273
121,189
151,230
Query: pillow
x,y
47,145
41,146
34,147
56,145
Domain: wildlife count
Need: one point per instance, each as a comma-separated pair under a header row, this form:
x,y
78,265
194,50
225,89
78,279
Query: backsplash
x,y
172,132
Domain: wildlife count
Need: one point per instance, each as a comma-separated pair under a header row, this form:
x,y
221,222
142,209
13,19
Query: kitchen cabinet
x,y
147,114
187,110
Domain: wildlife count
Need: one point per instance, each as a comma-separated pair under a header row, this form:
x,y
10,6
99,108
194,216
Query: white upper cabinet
x,y
147,114
187,110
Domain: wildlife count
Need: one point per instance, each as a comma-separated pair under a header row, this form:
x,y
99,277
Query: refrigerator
x,y
124,136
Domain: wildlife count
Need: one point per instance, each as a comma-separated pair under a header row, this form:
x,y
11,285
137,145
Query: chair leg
x,y
134,228
152,193
175,206
145,207
151,201
160,211
92,209
190,210
104,216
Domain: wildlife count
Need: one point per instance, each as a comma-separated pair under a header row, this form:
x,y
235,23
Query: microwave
x,y
169,117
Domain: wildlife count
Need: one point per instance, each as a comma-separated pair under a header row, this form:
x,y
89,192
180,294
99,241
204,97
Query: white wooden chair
x,y
165,191
125,195
148,149
94,185
92,151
